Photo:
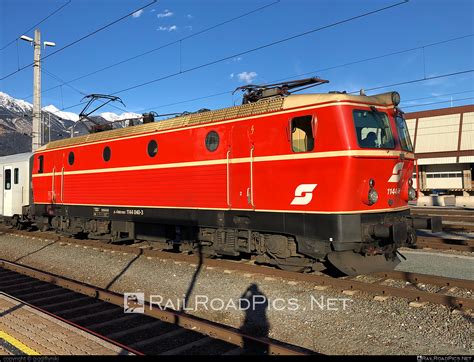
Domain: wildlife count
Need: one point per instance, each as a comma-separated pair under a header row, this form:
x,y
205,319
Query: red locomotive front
x,y
294,180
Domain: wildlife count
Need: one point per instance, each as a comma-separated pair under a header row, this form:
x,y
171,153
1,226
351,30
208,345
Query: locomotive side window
x,y
16,176
107,154
152,148
373,129
8,179
302,139
40,164
403,134
212,141
70,158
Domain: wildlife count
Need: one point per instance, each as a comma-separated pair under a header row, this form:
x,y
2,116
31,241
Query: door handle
x,y
249,197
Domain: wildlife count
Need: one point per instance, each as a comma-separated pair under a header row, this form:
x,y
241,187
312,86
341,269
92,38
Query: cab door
x,y
7,191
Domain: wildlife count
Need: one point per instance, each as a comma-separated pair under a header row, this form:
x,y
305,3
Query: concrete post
x,y
37,139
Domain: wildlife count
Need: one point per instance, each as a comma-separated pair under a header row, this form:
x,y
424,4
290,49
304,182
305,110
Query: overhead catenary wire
x,y
437,96
440,102
34,26
320,70
262,47
378,87
162,46
81,38
79,91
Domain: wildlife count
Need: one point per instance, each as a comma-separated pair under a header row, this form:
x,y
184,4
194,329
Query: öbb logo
x,y
396,172
303,194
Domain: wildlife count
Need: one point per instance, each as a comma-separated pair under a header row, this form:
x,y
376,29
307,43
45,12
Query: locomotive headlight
x,y
395,98
373,196
411,193
410,182
371,183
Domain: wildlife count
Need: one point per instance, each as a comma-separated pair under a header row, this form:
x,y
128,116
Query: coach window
x,y
212,141
16,176
152,148
302,139
70,158
40,164
8,179
107,154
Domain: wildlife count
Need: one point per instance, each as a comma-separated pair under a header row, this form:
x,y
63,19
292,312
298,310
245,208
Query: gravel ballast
x,y
299,313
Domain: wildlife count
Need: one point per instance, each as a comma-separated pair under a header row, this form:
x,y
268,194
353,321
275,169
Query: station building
x,y
443,141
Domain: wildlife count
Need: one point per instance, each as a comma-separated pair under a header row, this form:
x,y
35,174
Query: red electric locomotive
x,y
292,179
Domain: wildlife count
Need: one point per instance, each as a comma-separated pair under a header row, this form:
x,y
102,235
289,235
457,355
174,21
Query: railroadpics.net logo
x,y
135,303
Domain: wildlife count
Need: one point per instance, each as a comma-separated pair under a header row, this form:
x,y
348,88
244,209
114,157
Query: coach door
x,y
240,180
7,191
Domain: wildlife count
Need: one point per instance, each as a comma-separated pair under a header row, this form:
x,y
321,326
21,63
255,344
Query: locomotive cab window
x,y
16,176
403,134
373,129
40,164
8,179
302,139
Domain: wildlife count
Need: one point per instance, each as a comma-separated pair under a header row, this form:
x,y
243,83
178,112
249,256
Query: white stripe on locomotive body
x,y
235,120
223,161
401,208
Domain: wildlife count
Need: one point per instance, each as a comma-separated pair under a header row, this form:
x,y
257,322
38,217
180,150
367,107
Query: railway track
x,y
445,243
100,312
457,215
340,284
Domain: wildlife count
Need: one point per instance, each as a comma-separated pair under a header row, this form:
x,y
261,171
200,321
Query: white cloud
x,y
164,14
247,77
189,27
231,75
189,16
138,13
168,28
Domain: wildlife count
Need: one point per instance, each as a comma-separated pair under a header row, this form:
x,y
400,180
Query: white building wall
x,y
467,137
438,134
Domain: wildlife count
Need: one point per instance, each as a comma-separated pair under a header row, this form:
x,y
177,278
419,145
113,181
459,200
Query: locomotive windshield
x,y
403,134
373,129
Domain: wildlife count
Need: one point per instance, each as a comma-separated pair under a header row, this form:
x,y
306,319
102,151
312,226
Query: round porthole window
x,y
212,141
106,154
152,148
70,158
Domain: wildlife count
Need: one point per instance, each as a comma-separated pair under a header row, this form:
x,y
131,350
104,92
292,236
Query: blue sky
x,y
410,25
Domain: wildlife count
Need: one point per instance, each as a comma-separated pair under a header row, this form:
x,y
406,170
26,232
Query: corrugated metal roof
x,y
19,157
245,110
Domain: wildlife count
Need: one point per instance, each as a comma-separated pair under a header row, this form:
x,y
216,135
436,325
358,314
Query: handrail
x,y
62,184
228,179
251,177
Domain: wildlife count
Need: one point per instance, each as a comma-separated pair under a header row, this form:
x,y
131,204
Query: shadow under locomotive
x,y
353,243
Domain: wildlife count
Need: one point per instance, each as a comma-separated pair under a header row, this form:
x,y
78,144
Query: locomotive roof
x,y
244,110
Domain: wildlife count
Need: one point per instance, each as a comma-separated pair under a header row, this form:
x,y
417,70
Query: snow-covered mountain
x,y
16,123
112,117
64,115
